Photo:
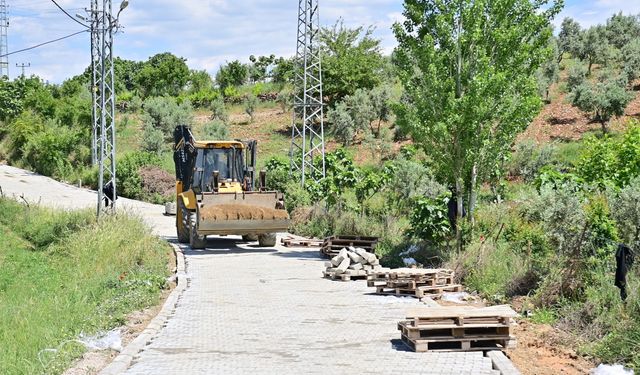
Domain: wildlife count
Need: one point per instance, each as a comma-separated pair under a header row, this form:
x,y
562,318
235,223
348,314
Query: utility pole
x,y
103,26
23,66
4,44
307,130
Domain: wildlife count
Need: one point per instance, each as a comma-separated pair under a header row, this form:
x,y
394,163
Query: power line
x,y
70,16
45,43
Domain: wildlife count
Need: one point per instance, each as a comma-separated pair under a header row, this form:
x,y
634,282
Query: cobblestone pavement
x,y
268,311
262,311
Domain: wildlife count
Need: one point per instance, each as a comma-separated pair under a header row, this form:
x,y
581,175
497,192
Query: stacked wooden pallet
x,y
290,241
458,329
414,282
352,263
331,246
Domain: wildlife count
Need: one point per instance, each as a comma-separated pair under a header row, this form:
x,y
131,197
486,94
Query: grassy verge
x,y
62,274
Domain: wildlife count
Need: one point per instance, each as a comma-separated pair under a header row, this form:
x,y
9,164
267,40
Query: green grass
x,y
63,274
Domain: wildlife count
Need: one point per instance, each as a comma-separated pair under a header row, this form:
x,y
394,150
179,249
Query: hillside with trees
x,y
515,163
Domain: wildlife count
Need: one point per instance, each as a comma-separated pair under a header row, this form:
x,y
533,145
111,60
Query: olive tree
x,y
569,39
604,99
468,69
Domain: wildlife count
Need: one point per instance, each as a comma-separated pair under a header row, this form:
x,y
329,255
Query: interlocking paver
x,y
265,311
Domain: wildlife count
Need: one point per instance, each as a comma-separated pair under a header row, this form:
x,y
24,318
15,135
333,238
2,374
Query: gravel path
x,y
262,311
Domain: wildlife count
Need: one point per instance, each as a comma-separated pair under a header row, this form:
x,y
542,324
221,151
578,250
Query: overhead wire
x,y
69,15
45,43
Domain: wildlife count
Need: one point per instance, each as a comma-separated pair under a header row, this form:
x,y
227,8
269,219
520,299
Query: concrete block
x,y
355,258
329,264
335,261
343,266
356,266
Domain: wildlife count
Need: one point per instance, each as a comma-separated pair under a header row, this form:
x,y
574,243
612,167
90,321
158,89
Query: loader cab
x,y
223,167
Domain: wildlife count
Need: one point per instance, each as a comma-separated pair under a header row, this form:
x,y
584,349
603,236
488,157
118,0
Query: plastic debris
x,y
103,340
611,370
457,297
409,261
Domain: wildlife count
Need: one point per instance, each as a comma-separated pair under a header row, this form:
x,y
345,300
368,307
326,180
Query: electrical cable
x,y
69,15
45,43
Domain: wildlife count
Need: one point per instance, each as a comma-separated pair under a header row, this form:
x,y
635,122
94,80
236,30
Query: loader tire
x,y
267,240
249,238
196,241
182,222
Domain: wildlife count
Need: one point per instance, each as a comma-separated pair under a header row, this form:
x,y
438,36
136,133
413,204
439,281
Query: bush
x,y
342,125
215,131
153,140
576,76
219,111
164,114
528,159
430,220
278,174
625,209
48,151
128,173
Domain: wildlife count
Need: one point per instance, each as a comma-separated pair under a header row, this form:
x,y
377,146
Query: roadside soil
x,y
544,350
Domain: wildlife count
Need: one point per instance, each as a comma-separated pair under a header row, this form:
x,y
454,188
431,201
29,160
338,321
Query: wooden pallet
x,y
419,292
294,242
443,332
331,246
344,276
459,345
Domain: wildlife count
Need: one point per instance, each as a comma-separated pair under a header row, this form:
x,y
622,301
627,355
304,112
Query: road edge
x,y
124,359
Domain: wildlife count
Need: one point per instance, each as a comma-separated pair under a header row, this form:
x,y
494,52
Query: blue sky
x,y
210,32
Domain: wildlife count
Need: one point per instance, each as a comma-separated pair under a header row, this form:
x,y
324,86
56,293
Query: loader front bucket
x,y
241,213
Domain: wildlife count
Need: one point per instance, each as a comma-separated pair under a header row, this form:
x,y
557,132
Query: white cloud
x,y
209,32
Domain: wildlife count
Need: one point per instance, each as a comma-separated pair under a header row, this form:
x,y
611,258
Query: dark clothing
x,y
624,261
452,207
109,194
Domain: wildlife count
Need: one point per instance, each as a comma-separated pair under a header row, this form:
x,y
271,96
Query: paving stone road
x,y
263,311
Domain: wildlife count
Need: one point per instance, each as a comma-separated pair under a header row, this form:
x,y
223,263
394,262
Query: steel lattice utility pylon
x,y
4,45
307,133
104,103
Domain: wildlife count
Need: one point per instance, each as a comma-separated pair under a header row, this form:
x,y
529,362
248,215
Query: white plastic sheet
x,y
611,370
103,340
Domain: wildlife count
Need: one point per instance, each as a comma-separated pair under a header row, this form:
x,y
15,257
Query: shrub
x,y
278,177
528,159
153,140
164,113
48,151
219,111
342,125
430,220
128,173
626,211
215,131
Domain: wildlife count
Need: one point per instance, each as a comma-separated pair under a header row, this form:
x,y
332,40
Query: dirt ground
x,y
544,350
560,121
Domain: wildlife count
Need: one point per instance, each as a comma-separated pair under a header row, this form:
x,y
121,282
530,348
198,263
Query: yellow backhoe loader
x,y
217,195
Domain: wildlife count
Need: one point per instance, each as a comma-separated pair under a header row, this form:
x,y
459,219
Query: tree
x,y
631,65
593,46
468,70
380,100
549,71
577,75
604,99
351,60
283,70
199,80
260,68
234,73
621,30
250,105
570,38
125,74
162,74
